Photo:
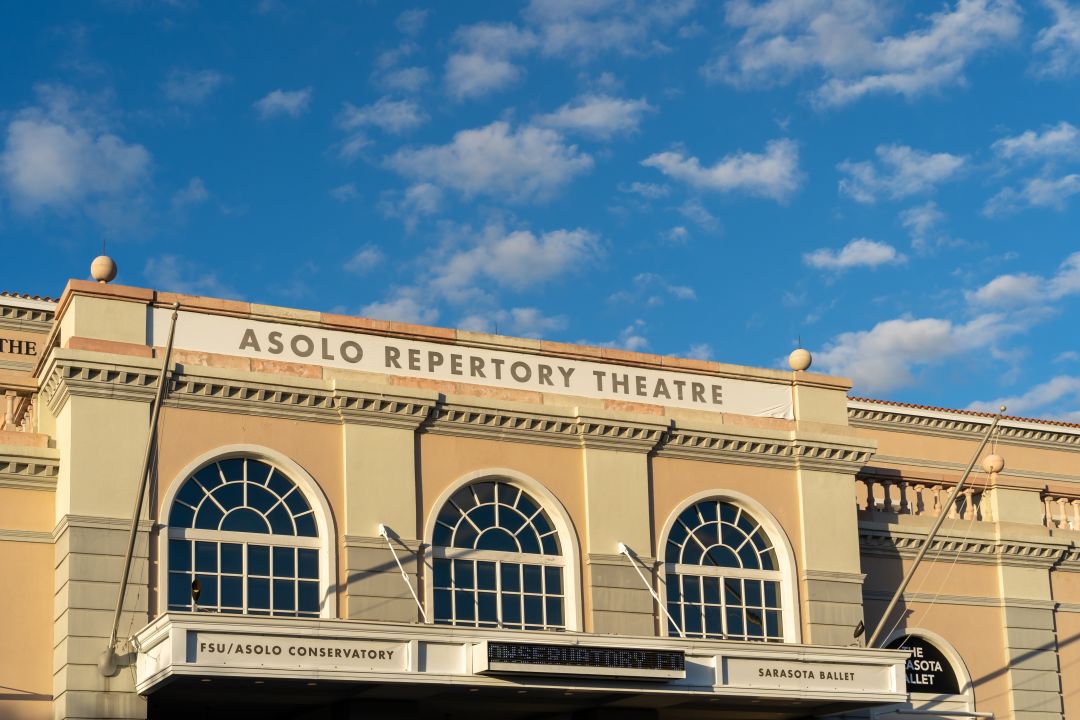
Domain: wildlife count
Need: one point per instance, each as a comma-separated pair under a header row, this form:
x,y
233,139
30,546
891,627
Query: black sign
x,y
927,670
586,657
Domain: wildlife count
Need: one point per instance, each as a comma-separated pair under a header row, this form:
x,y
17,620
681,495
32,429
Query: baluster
x,y
905,505
969,509
1074,521
918,505
936,490
1048,512
887,505
951,510
1063,518
869,485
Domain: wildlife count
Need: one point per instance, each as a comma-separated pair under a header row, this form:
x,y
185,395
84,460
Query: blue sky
x,y
892,183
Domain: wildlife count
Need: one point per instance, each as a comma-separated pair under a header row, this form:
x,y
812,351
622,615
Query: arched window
x,y
722,575
246,532
497,561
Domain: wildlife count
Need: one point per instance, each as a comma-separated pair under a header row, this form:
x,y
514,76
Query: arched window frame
x,y
785,557
560,519
929,701
324,519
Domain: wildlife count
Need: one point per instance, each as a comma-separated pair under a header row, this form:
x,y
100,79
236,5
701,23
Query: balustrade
x,y
903,497
1061,512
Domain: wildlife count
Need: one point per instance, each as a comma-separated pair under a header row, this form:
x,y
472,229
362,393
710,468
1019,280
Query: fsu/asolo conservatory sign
x,y
464,364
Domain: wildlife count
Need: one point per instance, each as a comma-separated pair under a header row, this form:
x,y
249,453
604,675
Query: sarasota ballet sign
x,y
474,365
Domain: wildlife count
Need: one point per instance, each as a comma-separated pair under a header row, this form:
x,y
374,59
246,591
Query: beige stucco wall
x,y
26,605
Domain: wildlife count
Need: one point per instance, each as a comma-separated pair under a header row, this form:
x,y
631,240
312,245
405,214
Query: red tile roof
x,y
975,413
27,296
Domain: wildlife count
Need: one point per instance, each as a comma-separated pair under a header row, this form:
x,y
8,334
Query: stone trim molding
x,y
33,536
646,561
832,576
972,601
28,472
975,550
335,401
101,523
18,317
378,542
962,427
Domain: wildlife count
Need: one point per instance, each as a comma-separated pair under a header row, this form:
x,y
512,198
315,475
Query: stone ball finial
x,y
799,359
993,464
103,269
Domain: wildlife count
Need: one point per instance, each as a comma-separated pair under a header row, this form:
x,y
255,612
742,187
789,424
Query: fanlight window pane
x,y
491,587
722,579
211,521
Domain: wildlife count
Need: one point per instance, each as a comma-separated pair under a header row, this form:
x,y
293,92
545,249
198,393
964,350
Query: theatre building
x,y
350,518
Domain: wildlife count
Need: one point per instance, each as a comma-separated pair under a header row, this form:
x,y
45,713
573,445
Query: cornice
x,y
387,410
492,423
960,428
32,536
28,472
196,392
974,550
620,434
66,376
726,448
833,576
26,318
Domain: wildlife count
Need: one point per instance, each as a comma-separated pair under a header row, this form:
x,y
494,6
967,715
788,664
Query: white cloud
x,y
1060,140
292,103
884,357
1059,44
598,116
192,87
61,154
677,234
364,260
410,206
194,193
1039,192
391,116
699,351
649,191
527,163
411,22
410,79
175,274
1055,398
520,321
919,221
860,252
344,193
405,306
518,259
652,290
694,211
773,174
849,47
581,30
900,172
483,64
470,75
1026,289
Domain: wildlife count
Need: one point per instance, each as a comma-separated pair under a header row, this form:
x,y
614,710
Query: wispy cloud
x,y
192,87
519,164
860,252
597,116
773,174
1025,289
1057,47
1036,192
173,273
849,47
1057,398
899,172
292,103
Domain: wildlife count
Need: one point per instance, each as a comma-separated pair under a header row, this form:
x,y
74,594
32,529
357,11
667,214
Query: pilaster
x,y
618,501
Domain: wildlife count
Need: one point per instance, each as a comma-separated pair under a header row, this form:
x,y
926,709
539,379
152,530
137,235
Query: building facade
x,y
355,518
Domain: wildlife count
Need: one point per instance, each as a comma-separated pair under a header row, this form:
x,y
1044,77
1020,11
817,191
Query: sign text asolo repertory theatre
x,y
479,366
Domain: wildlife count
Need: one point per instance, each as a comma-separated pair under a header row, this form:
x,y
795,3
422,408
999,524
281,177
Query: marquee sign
x,y
285,652
511,657
463,364
927,670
